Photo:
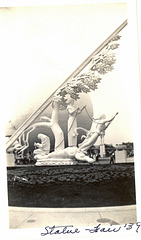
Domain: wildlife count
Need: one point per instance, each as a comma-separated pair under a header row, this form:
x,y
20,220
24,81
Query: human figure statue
x,y
72,120
89,132
44,146
67,153
101,125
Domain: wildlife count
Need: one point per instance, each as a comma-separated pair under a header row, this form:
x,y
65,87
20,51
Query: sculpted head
x,y
68,99
42,136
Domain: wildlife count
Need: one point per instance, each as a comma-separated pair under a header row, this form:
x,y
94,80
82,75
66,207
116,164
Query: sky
x,y
42,46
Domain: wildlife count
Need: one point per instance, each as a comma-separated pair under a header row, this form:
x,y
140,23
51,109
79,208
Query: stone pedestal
x,y
120,154
10,159
102,150
56,162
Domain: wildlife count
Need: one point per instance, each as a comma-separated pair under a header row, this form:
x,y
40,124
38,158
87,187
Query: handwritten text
x,y
69,229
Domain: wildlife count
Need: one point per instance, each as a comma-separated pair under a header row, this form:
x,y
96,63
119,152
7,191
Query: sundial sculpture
x,y
64,98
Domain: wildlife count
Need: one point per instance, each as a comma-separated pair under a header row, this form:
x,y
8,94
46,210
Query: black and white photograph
x,y
72,112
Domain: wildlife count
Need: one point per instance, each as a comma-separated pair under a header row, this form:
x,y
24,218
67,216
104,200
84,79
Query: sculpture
x,y
43,148
49,123
72,121
101,125
80,153
25,136
66,153
64,99
54,125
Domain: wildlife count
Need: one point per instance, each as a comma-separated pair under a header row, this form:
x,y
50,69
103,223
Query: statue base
x,y
67,161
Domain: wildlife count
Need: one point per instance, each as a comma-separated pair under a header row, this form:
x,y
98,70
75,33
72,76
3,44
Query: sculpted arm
x,y
110,120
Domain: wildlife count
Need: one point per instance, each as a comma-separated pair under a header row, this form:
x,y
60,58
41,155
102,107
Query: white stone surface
x,y
41,217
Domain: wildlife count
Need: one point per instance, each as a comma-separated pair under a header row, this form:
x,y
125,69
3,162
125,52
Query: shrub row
x,y
86,174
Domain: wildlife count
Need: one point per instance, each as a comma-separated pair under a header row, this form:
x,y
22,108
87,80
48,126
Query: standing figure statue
x,y
72,120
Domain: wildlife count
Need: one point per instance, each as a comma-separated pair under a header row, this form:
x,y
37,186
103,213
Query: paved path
x,y
20,218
